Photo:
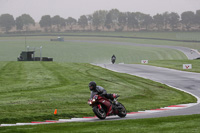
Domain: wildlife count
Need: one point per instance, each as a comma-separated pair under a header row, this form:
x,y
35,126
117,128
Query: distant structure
x,y
59,39
30,55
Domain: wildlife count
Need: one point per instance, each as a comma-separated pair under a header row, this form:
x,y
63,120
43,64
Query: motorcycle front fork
x,y
115,102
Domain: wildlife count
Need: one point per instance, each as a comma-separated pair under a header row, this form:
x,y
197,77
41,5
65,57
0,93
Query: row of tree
x,y
114,19
109,20
7,21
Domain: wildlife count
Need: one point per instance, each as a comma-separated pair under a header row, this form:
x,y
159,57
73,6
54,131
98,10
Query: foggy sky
x,y
76,8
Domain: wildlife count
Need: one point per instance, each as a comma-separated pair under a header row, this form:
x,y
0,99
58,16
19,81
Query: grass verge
x,y
175,124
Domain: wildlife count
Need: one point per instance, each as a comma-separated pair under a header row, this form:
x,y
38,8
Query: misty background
x,y
76,8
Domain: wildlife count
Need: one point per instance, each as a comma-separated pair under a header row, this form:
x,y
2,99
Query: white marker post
x,y
144,61
187,66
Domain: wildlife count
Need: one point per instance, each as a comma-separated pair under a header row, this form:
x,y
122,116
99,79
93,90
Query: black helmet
x,y
92,85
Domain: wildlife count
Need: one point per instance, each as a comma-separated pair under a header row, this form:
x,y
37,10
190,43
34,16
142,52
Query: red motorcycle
x,y
103,107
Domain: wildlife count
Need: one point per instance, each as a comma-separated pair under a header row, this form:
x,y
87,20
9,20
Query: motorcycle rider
x,y
98,90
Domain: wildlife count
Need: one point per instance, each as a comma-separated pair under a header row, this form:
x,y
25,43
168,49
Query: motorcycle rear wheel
x,y
122,112
101,114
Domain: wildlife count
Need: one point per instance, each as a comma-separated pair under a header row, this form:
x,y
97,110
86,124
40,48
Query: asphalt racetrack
x,y
186,81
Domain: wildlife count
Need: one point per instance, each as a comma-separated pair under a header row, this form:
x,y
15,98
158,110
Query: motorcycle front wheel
x,y
100,113
122,110
113,61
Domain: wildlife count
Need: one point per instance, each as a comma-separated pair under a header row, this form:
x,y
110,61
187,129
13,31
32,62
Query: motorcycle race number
x,y
187,66
144,61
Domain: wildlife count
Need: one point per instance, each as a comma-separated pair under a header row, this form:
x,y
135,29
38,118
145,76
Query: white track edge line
x,y
198,99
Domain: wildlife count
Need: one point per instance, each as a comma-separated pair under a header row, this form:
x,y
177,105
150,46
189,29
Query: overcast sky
x,y
75,8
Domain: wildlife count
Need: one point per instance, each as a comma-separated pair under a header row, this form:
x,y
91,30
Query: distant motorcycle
x,y
103,107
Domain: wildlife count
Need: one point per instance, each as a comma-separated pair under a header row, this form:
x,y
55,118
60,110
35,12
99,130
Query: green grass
x,y
162,35
81,52
177,64
31,91
175,124
139,41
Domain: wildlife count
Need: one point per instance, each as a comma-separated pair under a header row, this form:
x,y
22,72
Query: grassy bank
x,y
30,91
175,124
178,64
82,52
